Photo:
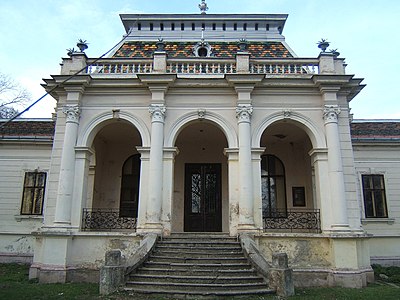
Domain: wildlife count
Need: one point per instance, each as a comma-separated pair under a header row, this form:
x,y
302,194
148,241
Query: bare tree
x,y
11,94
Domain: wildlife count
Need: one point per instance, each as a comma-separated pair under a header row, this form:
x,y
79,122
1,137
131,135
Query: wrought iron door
x,y
203,198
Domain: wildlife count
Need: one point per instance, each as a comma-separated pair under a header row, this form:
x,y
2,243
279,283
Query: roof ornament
x,y
203,7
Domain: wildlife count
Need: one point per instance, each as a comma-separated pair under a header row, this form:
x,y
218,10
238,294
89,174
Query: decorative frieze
x,y
331,113
157,112
72,112
243,113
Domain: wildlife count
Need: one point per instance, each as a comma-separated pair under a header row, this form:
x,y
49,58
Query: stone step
x,y
179,293
217,279
183,266
196,254
196,260
155,285
154,270
202,248
199,244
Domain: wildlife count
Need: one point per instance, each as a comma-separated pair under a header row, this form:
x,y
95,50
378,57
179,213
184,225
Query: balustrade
x,y
105,220
292,220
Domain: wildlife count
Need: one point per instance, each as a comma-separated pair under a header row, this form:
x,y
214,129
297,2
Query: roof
x,y
375,130
27,129
219,49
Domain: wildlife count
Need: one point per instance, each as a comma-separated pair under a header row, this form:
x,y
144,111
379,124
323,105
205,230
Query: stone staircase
x,y
205,264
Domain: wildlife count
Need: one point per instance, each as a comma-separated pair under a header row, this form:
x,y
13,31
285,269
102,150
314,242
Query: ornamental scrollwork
x,y
157,112
201,113
72,113
331,113
244,112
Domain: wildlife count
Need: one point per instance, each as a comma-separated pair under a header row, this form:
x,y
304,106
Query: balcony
x,y
106,220
243,64
292,221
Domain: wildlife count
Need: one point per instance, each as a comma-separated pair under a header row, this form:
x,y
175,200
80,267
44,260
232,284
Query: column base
x,y
247,228
151,228
340,227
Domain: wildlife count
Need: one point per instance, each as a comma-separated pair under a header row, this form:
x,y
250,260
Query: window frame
x,y
33,189
372,191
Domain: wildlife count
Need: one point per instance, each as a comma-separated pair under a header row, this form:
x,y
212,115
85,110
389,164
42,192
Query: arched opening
x,y
130,179
114,175
200,200
288,199
273,185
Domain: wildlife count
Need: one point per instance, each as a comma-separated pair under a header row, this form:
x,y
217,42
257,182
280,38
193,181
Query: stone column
x,y
335,168
246,207
154,203
67,167
79,201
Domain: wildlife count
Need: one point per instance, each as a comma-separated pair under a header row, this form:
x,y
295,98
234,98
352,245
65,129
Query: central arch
x,y
200,200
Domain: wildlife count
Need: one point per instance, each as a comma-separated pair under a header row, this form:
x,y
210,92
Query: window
x,y
172,26
193,26
161,27
33,195
224,27
374,196
139,26
267,27
235,26
182,26
244,26
256,27
203,26
214,26
273,186
130,187
151,26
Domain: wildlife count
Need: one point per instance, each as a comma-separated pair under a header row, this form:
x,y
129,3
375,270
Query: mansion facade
x,y
215,127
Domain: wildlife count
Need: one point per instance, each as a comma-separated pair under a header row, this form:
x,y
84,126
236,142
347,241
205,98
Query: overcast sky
x,y
34,35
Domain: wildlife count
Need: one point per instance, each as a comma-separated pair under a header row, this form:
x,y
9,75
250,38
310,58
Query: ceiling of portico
x,y
284,132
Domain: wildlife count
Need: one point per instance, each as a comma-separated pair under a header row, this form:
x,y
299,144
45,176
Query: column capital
x,y
331,113
243,113
157,112
72,112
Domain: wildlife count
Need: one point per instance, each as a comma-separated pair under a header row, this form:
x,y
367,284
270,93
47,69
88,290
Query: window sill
x,y
388,221
19,218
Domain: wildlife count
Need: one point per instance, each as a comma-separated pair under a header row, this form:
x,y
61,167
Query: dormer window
x,y
202,52
202,49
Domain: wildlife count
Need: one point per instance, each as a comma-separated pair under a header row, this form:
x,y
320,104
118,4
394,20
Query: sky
x,y
34,36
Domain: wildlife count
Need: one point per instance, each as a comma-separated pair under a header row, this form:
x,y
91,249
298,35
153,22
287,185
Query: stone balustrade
x,y
324,64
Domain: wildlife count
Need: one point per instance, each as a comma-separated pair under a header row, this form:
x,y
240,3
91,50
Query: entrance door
x,y
203,198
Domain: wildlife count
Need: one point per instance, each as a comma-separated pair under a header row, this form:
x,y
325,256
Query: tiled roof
x,y
375,130
19,129
219,49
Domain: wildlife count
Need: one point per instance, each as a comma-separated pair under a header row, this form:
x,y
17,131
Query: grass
x,y
14,284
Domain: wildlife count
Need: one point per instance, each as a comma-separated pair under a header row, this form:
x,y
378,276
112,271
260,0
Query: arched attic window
x,y
273,186
130,187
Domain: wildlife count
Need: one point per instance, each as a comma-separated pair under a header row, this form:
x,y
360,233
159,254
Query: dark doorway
x,y
203,198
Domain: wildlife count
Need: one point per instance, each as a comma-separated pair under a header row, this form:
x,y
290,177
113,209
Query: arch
x,y
226,128
315,134
93,127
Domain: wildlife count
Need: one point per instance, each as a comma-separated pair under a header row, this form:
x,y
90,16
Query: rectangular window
x,y
182,26
151,26
33,195
161,27
172,26
193,26
214,26
374,196
139,26
235,26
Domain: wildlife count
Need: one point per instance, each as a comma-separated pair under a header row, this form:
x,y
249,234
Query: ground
x,y
14,284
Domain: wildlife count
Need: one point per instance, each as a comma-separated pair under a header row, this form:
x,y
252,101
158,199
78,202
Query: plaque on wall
x,y
299,196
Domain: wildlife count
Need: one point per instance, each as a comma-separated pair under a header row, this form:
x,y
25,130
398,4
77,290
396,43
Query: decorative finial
x,y
203,7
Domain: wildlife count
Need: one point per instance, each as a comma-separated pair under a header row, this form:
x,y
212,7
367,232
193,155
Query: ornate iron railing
x,y
292,220
105,220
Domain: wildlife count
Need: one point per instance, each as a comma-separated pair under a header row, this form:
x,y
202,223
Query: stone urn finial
x,y
323,44
82,45
242,44
160,45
